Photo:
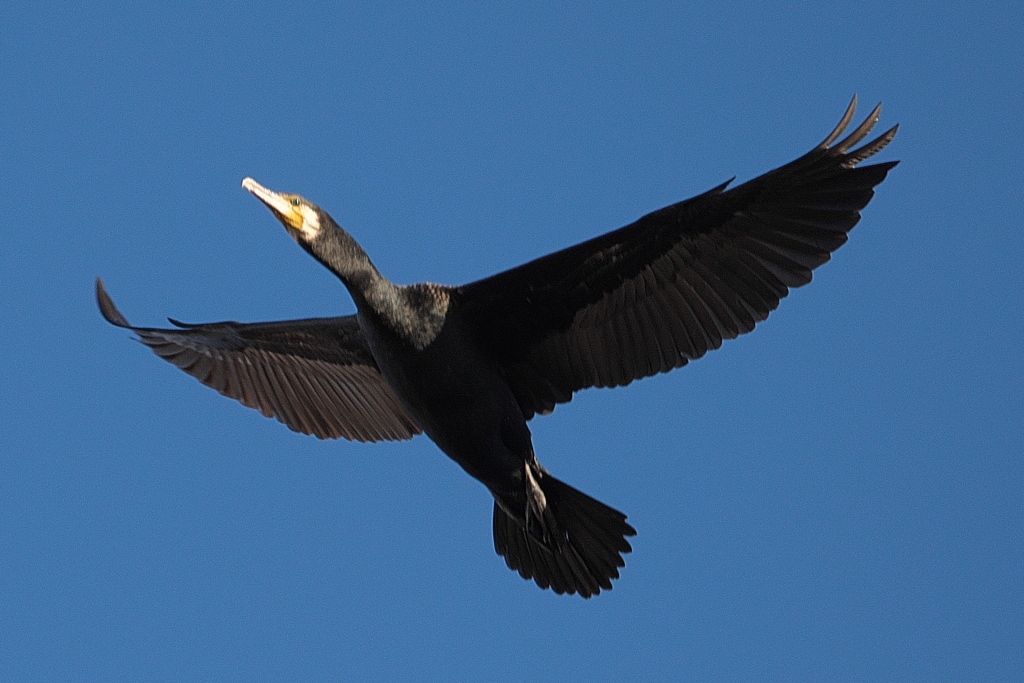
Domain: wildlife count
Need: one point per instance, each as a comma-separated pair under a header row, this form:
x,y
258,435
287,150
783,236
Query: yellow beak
x,y
281,205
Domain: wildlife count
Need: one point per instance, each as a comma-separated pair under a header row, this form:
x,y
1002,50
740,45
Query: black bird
x,y
471,365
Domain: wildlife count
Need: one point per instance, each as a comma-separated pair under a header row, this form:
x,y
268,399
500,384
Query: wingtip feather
x,y
107,307
861,131
872,148
843,123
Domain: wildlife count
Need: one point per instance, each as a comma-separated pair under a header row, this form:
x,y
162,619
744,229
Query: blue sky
x,y
838,495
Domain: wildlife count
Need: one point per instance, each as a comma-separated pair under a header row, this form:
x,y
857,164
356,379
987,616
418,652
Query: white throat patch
x,y
310,223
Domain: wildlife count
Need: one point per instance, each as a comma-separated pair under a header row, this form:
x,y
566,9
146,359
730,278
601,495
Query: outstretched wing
x,y
664,290
317,376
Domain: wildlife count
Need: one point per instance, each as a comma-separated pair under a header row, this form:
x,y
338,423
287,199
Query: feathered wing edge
x,y
316,376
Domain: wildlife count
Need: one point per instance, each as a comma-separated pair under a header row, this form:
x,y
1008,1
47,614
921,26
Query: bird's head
x,y
301,217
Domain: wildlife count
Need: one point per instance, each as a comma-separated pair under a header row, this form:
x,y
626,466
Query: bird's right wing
x,y
317,375
673,285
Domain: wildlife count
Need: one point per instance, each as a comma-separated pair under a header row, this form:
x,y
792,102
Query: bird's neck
x,y
413,317
337,250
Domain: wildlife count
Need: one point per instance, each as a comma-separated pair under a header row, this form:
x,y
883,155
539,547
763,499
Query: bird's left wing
x,y
317,376
664,290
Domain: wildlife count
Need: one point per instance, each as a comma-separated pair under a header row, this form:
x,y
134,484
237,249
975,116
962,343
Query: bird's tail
x,y
572,544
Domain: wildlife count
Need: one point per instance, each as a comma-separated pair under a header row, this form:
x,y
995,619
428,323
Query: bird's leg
x,y
540,518
536,502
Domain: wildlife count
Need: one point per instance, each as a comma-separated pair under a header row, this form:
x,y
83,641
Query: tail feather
x,y
580,549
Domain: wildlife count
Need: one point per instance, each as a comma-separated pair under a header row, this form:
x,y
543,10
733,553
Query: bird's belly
x,y
461,402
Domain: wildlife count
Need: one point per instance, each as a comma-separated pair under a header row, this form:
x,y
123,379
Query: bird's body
x,y
470,365
455,395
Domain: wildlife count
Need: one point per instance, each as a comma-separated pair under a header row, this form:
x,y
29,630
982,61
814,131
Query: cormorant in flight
x,y
471,365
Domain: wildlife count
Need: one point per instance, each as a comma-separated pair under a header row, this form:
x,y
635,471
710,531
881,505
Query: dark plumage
x,y
471,365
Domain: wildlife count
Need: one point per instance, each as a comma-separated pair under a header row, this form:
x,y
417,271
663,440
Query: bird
x,y
471,365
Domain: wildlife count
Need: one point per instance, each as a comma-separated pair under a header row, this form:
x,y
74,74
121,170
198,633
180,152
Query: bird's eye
x,y
295,201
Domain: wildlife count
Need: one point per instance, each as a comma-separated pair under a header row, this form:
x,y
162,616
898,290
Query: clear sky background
x,y
836,496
